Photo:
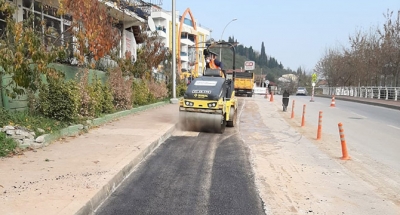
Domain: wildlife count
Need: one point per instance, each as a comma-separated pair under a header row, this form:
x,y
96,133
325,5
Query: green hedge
x,y
59,100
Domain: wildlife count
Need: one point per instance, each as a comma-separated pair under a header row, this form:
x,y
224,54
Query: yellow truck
x,y
244,83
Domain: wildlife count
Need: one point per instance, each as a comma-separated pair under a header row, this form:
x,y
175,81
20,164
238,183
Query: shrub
x,y
90,95
7,145
158,90
107,101
181,89
84,106
4,117
169,87
140,93
151,98
59,100
121,89
96,98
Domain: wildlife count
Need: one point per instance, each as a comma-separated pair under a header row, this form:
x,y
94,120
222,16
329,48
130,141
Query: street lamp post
x,y
174,100
222,35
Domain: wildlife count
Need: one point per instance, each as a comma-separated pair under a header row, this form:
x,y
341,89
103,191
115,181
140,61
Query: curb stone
x,y
91,206
77,129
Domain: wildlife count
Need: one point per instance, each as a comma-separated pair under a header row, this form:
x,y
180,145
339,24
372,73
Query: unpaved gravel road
x,y
296,174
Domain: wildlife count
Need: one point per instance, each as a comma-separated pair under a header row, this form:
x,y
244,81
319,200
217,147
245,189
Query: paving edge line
x,y
110,187
363,102
74,130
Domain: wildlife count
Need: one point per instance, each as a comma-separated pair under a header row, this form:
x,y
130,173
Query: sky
x,y
295,32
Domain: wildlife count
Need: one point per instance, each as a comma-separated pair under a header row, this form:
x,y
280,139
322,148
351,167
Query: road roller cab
x,y
209,103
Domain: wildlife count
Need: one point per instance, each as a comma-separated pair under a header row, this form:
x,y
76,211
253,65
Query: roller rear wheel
x,y
233,118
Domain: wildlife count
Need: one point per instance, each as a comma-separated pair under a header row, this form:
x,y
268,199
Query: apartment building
x,y
190,39
132,14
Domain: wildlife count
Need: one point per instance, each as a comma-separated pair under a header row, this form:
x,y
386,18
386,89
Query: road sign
x,y
314,77
249,65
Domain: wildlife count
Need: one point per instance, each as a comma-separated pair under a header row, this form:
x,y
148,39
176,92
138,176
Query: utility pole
x,y
173,100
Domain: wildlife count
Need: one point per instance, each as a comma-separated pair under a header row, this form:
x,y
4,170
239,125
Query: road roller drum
x,y
192,121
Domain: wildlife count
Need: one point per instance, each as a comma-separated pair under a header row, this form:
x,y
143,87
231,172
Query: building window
x,y
3,22
56,28
27,3
50,11
184,35
38,6
191,37
68,40
53,31
28,12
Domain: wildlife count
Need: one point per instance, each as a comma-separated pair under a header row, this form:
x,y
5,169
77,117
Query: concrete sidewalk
x,y
74,175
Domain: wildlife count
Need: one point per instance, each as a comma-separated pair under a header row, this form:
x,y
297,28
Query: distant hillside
x,y
265,66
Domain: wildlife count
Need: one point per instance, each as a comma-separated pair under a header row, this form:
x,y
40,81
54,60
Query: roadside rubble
x,y
24,137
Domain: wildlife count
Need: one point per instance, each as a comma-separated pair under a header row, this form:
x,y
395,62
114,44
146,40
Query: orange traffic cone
x,y
345,154
272,97
333,101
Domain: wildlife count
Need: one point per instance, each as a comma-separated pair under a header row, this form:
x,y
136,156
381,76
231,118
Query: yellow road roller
x,y
209,103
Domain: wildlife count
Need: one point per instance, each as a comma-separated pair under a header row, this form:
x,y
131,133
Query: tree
x,y
241,50
272,63
270,77
263,57
267,63
152,53
93,28
251,54
372,59
390,37
23,54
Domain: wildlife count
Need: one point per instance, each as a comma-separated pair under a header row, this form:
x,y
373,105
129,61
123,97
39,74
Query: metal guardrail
x,y
260,90
386,93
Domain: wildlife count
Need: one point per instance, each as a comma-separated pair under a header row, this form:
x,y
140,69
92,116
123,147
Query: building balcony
x,y
163,15
187,41
184,58
184,48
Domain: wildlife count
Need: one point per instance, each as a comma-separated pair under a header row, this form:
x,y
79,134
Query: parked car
x,y
301,91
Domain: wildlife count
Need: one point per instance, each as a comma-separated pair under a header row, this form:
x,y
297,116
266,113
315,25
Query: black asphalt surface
x,y
208,174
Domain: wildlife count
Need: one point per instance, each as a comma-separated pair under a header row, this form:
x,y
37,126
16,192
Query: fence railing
x,y
386,93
